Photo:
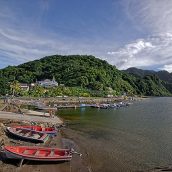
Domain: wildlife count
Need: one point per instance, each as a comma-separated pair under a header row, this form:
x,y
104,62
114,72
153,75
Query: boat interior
x,y
40,152
27,133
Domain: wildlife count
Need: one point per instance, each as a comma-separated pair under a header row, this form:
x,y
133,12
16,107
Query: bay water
x,y
138,137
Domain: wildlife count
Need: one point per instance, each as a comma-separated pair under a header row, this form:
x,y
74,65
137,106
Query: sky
x,y
126,33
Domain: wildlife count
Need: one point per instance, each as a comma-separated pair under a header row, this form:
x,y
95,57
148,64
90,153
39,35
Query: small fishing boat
x,y
104,106
37,153
114,106
95,106
27,134
47,130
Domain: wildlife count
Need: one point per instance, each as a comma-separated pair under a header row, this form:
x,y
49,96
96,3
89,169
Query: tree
x,y
15,87
4,86
38,91
85,72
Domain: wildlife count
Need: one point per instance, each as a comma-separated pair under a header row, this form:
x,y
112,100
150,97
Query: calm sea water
x,y
128,139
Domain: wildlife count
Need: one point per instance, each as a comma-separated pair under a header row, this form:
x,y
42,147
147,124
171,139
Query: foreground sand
x,y
61,141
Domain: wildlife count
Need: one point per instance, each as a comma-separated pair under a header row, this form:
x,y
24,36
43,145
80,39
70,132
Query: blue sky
x,y
126,33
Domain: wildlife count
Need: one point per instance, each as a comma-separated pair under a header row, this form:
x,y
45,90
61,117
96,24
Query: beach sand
x,y
61,140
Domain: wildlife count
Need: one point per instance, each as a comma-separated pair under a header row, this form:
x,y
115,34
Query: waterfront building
x,y
48,83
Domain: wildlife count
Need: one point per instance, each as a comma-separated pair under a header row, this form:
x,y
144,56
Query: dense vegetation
x,y
163,75
81,75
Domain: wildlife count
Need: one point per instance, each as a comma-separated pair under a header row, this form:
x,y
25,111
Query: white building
x,y
48,83
24,87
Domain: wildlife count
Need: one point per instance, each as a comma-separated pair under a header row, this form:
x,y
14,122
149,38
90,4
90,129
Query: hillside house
x,y
24,87
47,83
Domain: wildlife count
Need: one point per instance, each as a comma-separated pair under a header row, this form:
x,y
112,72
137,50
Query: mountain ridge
x,y
162,74
83,71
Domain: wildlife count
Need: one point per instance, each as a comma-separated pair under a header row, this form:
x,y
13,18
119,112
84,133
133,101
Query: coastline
x,y
67,138
70,102
62,140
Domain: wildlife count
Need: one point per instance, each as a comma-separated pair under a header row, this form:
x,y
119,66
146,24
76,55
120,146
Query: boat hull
x,y
50,131
43,137
19,156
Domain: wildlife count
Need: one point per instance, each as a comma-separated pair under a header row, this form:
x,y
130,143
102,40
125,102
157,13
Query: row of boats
x,y
36,134
114,105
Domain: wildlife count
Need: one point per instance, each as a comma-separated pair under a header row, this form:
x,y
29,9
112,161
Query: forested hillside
x,y
162,74
85,72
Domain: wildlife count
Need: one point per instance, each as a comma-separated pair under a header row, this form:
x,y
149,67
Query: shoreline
x,y
62,140
68,138
73,102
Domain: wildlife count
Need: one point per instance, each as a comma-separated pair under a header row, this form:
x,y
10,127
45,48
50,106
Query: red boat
x,y
37,153
48,130
26,134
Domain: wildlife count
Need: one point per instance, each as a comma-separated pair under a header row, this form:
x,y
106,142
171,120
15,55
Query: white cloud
x,y
151,17
20,46
154,16
23,46
133,48
152,51
20,43
24,38
167,67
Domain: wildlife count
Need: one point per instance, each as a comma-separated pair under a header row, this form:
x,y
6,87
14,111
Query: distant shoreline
x,y
77,100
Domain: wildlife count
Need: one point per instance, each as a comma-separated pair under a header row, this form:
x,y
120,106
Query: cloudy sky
x,y
126,33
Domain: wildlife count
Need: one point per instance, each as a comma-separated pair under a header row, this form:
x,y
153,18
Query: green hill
x,y
86,72
139,72
162,74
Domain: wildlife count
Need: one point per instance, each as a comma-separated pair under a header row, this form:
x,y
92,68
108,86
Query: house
x,y
109,95
24,87
47,83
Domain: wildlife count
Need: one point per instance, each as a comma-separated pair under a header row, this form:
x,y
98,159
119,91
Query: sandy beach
x,y
66,138
60,141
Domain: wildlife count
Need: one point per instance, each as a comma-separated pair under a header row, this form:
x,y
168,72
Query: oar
x,y
74,152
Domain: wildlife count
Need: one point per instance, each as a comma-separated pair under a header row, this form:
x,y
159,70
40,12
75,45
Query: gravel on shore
x,y
60,141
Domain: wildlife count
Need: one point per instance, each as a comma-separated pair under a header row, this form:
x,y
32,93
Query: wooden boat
x,y
37,153
95,106
104,106
28,134
48,130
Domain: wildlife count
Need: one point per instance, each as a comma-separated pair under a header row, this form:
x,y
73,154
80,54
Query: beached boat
x,y
114,106
27,134
47,130
37,153
104,106
95,106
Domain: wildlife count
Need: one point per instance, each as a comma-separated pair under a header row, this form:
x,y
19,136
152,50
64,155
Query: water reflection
x,y
134,138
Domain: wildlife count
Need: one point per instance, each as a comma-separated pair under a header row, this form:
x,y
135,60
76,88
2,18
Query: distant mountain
x,y
139,72
86,72
163,75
